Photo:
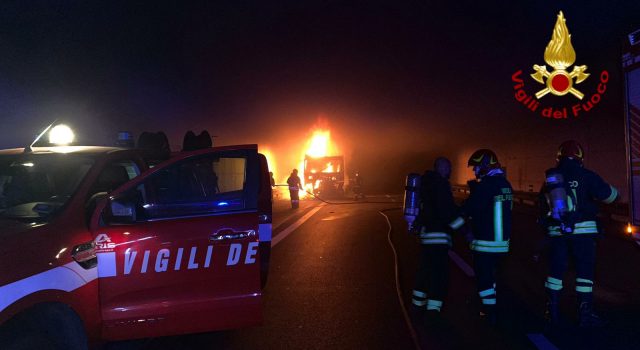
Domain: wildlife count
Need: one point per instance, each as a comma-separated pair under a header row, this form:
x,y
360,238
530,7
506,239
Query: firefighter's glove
x,y
566,228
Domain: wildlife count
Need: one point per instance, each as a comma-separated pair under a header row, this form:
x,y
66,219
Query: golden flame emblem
x,y
560,55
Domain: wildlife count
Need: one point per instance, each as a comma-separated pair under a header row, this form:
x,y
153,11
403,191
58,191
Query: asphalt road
x,y
332,285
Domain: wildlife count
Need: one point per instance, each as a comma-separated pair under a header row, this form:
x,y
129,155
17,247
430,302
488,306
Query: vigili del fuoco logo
x,y
559,79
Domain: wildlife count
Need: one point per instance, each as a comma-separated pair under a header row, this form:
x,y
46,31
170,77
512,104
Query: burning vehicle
x,y
325,175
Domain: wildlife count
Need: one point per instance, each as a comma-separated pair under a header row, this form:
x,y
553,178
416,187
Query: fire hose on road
x,y
412,331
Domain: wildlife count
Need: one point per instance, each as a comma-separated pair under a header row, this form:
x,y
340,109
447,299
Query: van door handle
x,y
227,233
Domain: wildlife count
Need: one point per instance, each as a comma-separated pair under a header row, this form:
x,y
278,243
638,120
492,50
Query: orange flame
x,y
329,168
318,146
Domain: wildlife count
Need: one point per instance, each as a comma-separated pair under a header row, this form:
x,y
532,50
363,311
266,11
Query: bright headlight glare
x,y
61,135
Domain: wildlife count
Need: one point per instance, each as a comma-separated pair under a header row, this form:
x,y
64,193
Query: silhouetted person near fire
x,y
295,184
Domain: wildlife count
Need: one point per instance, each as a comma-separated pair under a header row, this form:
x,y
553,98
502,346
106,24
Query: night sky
x,y
393,80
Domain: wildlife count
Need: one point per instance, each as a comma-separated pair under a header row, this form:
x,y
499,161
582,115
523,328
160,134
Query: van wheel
x,y
44,327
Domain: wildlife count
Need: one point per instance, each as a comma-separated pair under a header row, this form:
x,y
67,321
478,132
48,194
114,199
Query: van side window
x,y
196,186
231,173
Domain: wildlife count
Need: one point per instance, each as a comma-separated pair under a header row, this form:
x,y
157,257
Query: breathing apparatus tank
x,y
411,199
558,201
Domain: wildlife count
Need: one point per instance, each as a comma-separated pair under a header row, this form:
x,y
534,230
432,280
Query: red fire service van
x,y
97,246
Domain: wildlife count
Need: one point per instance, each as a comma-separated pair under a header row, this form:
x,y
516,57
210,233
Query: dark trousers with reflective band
x,y
486,266
582,249
432,277
295,197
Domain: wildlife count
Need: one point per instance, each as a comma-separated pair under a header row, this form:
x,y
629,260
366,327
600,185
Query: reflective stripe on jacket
x,y
479,245
434,237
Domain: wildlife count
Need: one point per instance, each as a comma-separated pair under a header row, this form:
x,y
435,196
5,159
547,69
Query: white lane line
x,y
461,263
295,225
541,342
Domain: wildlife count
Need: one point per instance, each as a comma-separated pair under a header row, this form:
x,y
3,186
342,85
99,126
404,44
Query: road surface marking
x,y
295,225
541,342
336,217
461,263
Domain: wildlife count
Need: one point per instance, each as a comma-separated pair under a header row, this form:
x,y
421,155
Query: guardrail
x,y
618,212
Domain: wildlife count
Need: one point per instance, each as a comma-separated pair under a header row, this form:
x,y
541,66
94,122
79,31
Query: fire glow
x,y
318,146
271,161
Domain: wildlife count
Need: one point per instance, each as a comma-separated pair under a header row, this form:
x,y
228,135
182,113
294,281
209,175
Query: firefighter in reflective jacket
x,y
294,187
569,205
489,206
436,221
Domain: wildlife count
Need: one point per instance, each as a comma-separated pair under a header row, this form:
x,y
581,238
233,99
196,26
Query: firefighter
x,y
294,186
436,221
357,186
569,206
489,207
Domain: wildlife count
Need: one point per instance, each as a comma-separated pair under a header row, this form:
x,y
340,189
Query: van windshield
x,y
36,186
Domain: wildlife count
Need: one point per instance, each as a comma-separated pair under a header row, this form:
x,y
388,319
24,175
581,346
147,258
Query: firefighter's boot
x,y
588,318
552,313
